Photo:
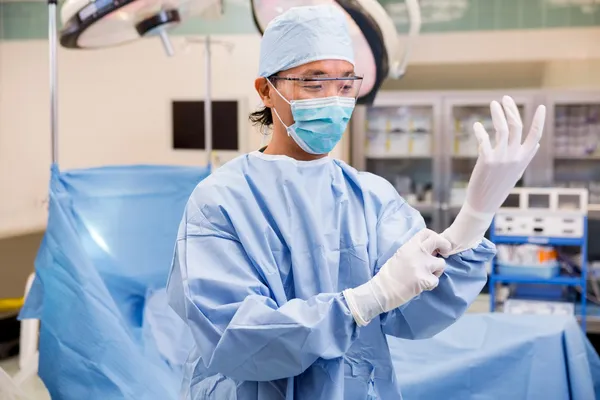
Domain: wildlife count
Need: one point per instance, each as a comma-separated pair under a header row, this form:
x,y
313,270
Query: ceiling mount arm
x,y
398,67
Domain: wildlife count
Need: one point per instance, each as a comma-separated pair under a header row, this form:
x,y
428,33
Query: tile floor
x,y
34,388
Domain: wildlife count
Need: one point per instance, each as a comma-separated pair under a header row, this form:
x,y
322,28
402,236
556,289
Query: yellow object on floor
x,y
7,305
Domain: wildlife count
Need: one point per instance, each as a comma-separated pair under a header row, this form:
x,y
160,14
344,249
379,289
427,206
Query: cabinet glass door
x,y
576,147
573,130
400,148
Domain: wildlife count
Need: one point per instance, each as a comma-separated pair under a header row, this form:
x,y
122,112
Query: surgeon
x,y
291,267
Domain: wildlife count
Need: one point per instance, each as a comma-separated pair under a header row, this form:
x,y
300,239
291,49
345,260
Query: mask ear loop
x,y
287,128
265,132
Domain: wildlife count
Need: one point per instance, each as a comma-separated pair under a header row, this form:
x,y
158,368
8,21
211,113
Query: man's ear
x,y
265,91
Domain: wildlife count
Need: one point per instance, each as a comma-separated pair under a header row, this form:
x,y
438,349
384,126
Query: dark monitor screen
x,y
188,125
593,239
513,200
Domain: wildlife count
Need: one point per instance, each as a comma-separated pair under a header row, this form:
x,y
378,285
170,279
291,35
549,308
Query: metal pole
x,y
52,38
207,103
166,42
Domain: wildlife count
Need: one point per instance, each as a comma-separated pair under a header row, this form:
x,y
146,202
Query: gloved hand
x,y
413,269
496,172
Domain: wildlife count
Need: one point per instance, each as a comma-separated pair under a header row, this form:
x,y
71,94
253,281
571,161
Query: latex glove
x,y
496,172
411,270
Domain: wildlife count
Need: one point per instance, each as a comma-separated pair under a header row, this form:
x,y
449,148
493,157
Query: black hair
x,y
263,116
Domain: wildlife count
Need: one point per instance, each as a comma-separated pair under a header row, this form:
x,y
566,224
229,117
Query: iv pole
x,y
208,102
208,43
28,355
52,38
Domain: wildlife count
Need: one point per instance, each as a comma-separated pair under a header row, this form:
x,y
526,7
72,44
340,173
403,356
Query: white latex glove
x,y
412,270
496,172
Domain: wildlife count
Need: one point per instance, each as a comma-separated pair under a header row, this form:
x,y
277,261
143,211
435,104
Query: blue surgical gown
x,y
266,246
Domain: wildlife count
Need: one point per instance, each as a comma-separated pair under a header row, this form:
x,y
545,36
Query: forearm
x,y
432,312
264,343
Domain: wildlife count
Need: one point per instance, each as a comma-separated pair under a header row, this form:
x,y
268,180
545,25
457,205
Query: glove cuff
x,y
363,303
467,230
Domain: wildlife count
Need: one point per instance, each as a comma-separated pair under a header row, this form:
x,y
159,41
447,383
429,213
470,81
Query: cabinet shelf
x,y
542,240
399,156
464,156
567,157
559,280
594,211
592,323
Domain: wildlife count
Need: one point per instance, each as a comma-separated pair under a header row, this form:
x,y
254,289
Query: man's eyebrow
x,y
313,72
317,72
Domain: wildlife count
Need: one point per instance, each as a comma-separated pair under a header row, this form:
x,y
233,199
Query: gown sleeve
x,y
237,325
433,311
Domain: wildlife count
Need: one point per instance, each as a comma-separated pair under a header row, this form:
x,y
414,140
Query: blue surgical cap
x,y
302,35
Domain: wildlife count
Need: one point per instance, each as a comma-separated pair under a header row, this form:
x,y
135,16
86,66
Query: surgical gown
x,y
266,246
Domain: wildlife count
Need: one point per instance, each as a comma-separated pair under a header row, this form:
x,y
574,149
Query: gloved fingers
x,y
437,266
537,128
435,243
501,126
485,147
531,154
515,124
429,282
525,160
424,234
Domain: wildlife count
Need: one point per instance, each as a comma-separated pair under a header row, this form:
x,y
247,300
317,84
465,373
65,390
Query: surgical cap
x,y
302,35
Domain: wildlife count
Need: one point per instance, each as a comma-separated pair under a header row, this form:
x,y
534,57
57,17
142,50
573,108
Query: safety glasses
x,y
296,87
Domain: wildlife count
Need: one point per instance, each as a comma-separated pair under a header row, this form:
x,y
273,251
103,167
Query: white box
x,y
543,212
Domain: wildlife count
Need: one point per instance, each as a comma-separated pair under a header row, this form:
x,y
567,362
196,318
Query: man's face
x,y
300,90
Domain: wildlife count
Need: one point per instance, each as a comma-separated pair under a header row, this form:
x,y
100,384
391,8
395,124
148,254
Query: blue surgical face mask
x,y
318,123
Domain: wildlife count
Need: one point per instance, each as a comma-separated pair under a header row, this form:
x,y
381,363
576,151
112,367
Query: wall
x,y
573,73
16,263
559,74
497,15
114,108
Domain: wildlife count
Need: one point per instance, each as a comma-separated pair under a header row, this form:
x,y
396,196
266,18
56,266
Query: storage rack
x,y
549,222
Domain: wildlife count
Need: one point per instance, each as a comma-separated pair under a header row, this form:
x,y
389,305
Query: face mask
x,y
319,123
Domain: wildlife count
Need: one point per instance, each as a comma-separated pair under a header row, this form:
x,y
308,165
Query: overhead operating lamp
x,y
95,24
89,24
377,46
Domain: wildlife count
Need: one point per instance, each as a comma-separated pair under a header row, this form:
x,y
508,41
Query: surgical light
x,y
104,23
